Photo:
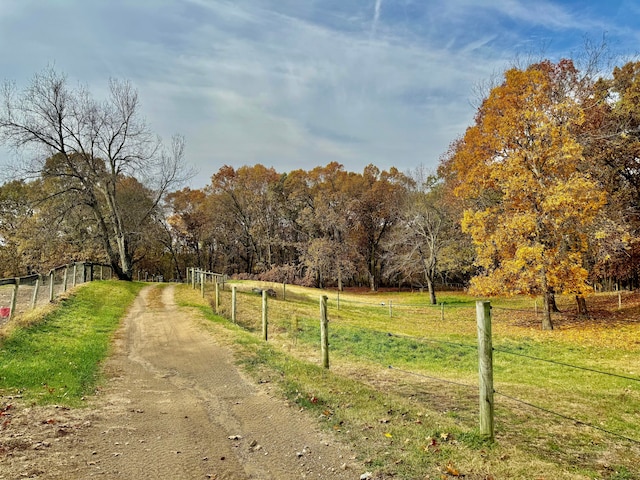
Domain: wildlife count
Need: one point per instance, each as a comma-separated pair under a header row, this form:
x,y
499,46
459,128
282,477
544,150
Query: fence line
x,y
566,417
577,367
489,391
438,379
19,294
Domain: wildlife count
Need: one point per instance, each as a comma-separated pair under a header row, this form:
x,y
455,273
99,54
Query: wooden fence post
x,y
202,279
485,363
75,273
264,315
217,297
52,277
14,298
34,298
619,300
234,289
65,278
324,331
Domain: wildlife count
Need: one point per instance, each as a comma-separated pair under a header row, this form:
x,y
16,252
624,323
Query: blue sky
x,y
300,83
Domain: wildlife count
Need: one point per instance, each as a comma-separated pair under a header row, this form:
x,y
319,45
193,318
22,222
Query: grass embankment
x,y
419,418
55,357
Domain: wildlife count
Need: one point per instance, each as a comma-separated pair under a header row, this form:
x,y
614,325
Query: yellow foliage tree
x,y
519,170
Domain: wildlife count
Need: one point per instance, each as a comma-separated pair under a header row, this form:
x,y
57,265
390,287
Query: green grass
x,y
415,420
393,415
57,359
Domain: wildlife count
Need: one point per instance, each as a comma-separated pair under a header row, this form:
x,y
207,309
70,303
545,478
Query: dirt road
x,y
175,407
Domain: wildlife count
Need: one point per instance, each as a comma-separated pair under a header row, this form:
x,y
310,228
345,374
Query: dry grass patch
x,y
419,419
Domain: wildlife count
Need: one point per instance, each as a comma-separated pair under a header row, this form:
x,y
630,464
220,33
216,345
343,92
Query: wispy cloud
x,y
376,17
294,83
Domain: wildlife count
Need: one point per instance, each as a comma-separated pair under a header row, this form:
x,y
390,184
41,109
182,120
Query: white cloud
x,y
292,83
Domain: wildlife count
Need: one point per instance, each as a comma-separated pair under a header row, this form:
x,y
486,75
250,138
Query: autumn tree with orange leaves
x,y
518,168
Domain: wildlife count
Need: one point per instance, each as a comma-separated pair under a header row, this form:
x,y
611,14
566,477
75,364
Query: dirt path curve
x,y
176,407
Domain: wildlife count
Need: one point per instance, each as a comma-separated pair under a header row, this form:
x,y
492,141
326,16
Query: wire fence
x,y
20,294
621,393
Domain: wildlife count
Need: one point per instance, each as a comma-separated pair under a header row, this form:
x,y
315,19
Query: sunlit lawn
x,y
559,421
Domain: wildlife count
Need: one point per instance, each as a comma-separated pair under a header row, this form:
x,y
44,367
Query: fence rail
x,y
19,294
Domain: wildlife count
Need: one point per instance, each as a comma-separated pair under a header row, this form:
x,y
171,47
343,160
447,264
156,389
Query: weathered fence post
x,y
485,363
65,278
52,277
217,297
202,280
193,278
619,300
75,273
34,298
264,315
14,298
324,333
234,290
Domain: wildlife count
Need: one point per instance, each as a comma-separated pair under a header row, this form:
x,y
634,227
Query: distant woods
x,y
539,196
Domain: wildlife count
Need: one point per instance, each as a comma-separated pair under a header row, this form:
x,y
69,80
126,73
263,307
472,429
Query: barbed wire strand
x,y
517,400
523,310
577,367
474,347
566,417
430,340
433,378
530,405
398,305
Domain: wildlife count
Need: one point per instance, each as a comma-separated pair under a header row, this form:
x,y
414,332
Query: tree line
x,y
539,196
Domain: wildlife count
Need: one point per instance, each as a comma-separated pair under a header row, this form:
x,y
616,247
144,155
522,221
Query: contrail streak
x,y
376,17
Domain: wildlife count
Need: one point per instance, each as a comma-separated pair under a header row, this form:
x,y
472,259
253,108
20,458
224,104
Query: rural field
x,y
403,379
401,388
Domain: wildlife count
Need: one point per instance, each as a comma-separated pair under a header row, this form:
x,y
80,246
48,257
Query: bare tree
x,y
422,234
88,149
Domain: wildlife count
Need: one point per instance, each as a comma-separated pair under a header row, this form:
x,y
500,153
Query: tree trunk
x,y
432,292
582,305
549,300
126,265
372,273
114,257
552,300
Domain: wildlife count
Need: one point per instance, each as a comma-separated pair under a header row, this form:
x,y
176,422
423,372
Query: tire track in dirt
x,y
177,407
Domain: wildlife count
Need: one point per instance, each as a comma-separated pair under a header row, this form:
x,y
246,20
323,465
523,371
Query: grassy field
x,y
403,379
53,356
